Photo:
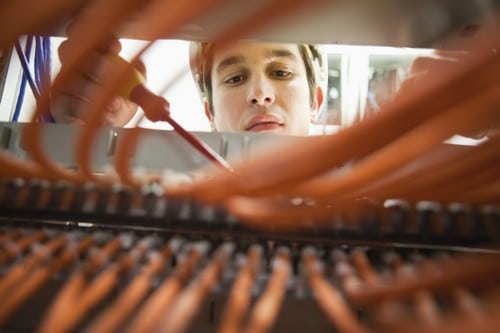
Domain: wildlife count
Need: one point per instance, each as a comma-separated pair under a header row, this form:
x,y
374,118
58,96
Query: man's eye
x,y
282,74
234,80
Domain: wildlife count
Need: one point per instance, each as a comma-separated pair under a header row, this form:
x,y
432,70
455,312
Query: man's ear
x,y
317,104
210,116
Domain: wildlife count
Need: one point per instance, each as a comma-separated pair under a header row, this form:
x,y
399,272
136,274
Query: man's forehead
x,y
241,52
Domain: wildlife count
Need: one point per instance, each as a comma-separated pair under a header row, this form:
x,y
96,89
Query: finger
x,y
94,69
80,83
119,112
111,46
73,99
68,109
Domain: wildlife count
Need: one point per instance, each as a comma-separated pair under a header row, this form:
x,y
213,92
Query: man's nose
x,y
261,92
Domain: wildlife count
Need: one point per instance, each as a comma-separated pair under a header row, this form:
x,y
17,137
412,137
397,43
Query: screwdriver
x,y
157,108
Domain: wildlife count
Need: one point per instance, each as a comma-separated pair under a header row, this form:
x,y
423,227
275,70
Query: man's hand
x,y
69,104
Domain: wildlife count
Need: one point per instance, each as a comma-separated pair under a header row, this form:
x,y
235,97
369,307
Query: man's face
x,y
261,87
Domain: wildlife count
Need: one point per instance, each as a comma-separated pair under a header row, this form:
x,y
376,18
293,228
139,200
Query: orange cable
x,y
329,298
268,305
110,319
40,276
240,295
188,302
160,302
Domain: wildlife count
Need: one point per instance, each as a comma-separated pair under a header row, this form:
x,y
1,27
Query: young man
x,y
260,87
250,86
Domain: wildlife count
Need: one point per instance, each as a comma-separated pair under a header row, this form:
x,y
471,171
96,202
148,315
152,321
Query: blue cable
x,y
47,61
38,61
25,64
42,71
25,78
19,102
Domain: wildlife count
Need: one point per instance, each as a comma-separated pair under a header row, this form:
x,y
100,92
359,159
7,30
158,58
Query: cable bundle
x,y
395,155
396,222
131,281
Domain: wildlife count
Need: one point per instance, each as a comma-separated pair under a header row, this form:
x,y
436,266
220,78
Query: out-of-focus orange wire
x,y
443,166
10,235
342,184
109,320
268,305
269,214
349,279
18,272
81,296
166,17
39,17
89,38
411,109
12,249
426,308
466,315
263,16
102,286
93,25
159,303
365,269
469,306
20,294
12,167
185,307
240,296
472,114
388,312
457,323
488,193
463,271
330,299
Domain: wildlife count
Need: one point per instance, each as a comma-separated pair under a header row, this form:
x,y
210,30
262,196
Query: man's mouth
x,y
264,123
265,126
